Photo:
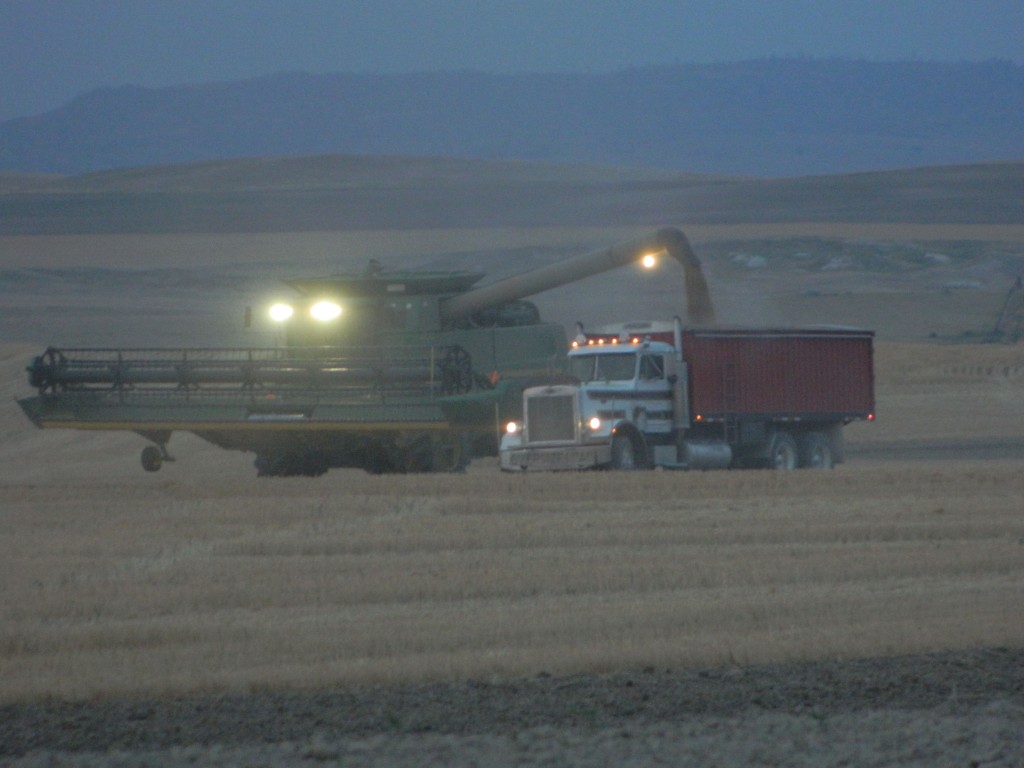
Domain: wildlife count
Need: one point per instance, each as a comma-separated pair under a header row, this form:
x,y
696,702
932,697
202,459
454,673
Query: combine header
x,y
287,404
384,371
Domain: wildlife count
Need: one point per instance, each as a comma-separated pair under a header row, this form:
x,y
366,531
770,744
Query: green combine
x,y
384,371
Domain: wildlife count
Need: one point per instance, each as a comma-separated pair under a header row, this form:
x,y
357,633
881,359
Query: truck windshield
x,y
603,367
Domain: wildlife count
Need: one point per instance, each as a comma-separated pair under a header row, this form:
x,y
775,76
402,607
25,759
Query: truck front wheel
x,y
782,452
623,453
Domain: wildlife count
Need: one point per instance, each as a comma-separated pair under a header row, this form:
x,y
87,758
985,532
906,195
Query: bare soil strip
x,y
955,708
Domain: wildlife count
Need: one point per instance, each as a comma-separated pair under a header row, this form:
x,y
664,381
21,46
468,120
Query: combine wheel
x,y
152,458
815,451
290,465
782,452
449,452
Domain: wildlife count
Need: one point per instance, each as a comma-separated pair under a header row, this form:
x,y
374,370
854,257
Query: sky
x,y
54,50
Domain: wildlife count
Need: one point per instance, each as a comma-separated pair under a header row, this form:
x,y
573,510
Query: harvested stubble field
x,y
182,608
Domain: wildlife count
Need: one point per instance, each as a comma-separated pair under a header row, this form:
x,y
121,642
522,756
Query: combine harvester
x,y
384,371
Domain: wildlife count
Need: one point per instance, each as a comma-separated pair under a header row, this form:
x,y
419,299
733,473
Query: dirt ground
x,y
957,709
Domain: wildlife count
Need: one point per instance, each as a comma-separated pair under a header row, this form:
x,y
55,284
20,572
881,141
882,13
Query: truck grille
x,y
551,418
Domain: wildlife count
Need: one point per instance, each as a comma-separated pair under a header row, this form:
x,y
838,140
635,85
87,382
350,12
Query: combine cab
x,y
384,371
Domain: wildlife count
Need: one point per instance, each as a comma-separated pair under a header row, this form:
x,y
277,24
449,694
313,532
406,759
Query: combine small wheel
x,y
782,452
623,453
152,458
815,451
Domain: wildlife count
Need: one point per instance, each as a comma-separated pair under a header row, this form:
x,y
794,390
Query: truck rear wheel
x,y
782,452
815,451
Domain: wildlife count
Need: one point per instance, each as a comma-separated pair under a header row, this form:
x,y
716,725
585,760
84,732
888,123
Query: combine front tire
x,y
290,465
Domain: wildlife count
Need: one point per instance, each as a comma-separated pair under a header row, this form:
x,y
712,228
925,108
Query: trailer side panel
x,y
805,374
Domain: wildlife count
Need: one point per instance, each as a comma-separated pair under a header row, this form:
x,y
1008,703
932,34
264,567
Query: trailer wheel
x,y
782,452
815,451
152,458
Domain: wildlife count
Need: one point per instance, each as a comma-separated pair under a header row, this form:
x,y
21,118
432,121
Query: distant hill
x,y
775,117
344,192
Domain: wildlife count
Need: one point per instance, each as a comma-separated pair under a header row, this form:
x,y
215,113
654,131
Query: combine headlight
x,y
325,310
281,312
512,428
649,261
594,423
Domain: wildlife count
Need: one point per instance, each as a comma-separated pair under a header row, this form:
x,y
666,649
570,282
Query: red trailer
x,y
656,394
790,374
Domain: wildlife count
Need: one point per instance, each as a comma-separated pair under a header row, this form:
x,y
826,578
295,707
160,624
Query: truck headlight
x,y
325,310
280,312
594,423
513,437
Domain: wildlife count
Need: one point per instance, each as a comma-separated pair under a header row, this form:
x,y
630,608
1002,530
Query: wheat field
x,y
204,579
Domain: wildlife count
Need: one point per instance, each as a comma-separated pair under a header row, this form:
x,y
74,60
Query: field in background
x,y
203,578
909,282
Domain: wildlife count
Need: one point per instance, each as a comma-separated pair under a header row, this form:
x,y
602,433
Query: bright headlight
x,y
512,428
594,423
281,312
649,261
325,310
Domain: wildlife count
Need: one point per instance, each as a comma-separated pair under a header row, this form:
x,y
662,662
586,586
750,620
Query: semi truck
x,y
652,394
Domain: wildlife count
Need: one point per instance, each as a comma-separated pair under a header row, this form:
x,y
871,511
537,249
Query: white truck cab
x,y
658,395
623,404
